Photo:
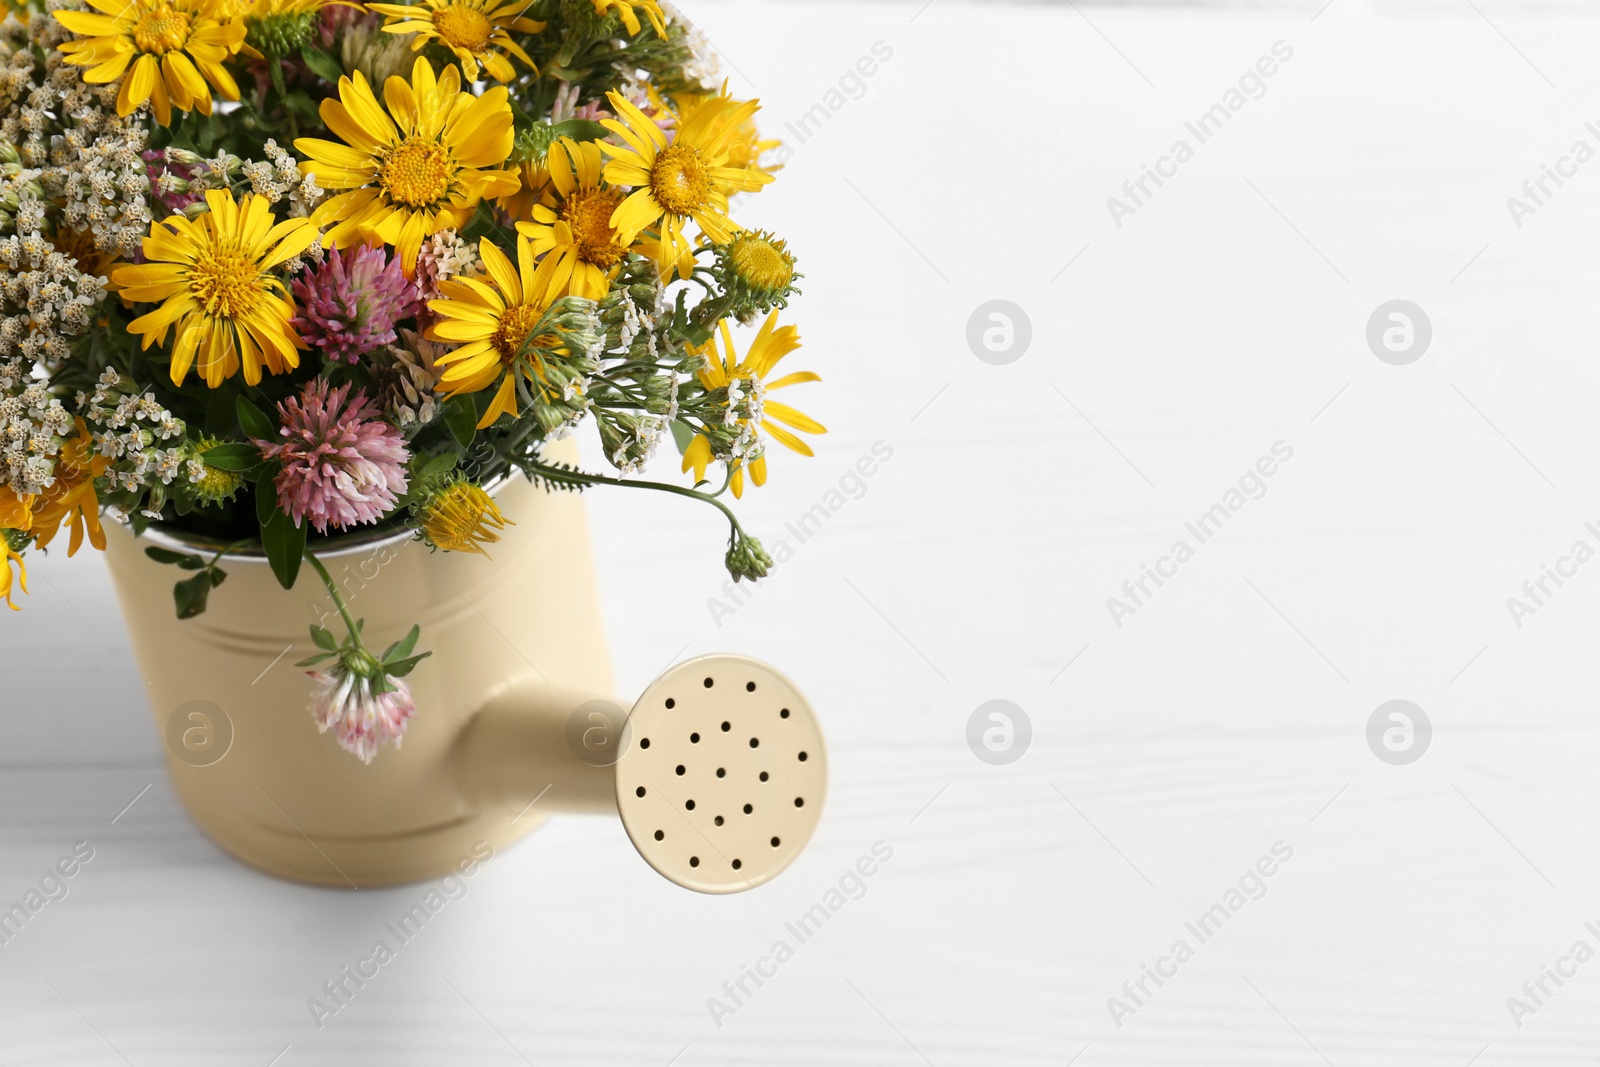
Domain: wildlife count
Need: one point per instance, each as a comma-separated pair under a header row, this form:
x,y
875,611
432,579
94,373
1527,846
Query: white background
x,y
1228,314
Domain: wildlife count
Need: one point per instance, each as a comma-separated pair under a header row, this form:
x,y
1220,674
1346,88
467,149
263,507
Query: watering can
x,y
718,770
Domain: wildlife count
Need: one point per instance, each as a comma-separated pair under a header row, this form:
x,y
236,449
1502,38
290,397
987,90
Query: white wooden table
x,y
1170,753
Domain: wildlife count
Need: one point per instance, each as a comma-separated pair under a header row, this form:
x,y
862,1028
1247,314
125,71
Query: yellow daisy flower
x,y
490,320
573,224
278,27
461,517
630,19
745,147
687,179
214,278
173,47
414,170
761,263
534,177
71,499
472,29
725,368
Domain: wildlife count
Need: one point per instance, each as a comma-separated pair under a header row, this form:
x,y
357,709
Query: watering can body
x,y
244,754
513,721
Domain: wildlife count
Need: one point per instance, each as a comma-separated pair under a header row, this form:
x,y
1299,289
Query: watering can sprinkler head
x,y
718,772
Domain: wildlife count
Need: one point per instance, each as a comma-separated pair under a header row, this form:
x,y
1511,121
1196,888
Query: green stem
x,y
577,477
704,318
528,426
338,601
225,549
634,398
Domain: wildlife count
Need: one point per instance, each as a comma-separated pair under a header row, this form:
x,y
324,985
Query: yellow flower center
x,y
214,484
760,262
515,325
417,173
680,179
588,212
461,26
161,30
225,282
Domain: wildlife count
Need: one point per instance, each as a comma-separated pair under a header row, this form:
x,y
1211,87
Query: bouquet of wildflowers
x,y
272,271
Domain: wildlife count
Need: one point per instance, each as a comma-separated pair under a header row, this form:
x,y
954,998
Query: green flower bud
x,y
279,35
756,269
215,485
746,558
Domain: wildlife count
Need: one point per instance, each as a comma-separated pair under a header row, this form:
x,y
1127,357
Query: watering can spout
x,y
718,771
514,751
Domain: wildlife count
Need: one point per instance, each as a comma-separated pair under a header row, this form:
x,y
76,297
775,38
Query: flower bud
x,y
212,485
746,558
458,516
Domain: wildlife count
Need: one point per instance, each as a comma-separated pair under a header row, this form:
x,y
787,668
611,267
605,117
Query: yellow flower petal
x,y
136,88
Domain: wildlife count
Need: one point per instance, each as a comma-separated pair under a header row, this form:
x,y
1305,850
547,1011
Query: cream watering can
x,y
718,772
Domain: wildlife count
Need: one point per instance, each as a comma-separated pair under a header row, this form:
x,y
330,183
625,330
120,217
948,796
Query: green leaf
x,y
321,64
285,545
461,416
477,226
424,470
324,639
484,397
233,456
401,668
301,104
314,660
220,412
164,555
402,648
218,576
190,595
207,138
580,130
437,467
266,500
682,434
251,419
